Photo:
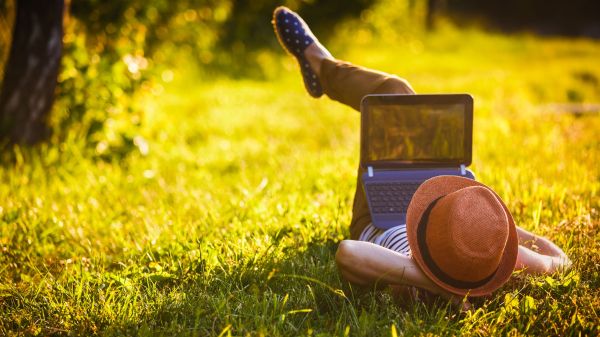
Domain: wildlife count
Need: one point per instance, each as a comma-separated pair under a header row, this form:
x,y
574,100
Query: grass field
x,y
226,220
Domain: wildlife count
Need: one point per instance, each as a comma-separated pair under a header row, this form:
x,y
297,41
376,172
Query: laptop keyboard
x,y
390,197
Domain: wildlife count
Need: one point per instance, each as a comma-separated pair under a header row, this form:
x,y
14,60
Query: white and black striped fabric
x,y
394,238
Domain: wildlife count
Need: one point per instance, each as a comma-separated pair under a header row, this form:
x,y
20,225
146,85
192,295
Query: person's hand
x,y
560,263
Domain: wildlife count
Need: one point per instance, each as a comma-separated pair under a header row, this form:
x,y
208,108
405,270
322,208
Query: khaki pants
x,y
348,84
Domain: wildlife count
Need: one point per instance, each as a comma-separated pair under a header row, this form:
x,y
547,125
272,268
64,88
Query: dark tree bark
x,y
31,71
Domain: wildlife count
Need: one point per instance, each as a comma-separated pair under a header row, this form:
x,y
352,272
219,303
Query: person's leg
x,y
341,81
348,83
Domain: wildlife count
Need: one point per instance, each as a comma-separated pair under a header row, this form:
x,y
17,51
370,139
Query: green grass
x,y
230,222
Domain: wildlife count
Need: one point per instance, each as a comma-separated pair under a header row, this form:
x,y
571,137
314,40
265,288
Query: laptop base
x,y
393,212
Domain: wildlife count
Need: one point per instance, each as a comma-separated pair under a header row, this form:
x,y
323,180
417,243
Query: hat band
x,y
433,267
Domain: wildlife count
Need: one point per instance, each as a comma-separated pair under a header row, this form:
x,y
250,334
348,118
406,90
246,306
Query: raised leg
x,y
348,83
341,81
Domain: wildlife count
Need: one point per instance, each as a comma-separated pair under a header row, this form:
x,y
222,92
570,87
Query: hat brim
x,y
437,187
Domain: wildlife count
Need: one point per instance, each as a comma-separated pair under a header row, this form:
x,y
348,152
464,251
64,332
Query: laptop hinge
x,y
370,171
463,170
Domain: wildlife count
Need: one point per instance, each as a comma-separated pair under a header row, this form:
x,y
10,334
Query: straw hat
x,y
462,235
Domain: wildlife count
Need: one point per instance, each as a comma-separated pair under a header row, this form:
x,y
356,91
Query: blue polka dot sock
x,y
294,35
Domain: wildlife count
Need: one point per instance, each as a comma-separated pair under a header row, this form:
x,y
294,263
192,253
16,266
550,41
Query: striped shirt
x,y
394,238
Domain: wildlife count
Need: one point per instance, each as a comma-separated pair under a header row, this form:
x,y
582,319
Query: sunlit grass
x,y
230,221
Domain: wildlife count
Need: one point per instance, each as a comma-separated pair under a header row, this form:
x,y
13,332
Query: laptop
x,y
407,139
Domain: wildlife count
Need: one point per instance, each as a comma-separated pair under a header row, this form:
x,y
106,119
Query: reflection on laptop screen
x,y
416,133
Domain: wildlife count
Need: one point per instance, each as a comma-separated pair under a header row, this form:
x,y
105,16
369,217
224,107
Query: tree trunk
x,y
31,71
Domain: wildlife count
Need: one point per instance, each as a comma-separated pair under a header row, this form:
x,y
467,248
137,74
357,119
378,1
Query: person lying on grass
x,y
459,239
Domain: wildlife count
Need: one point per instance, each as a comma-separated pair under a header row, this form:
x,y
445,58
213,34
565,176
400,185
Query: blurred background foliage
x,y
118,52
546,17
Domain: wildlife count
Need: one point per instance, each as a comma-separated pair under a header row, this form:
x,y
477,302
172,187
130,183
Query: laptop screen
x,y
431,130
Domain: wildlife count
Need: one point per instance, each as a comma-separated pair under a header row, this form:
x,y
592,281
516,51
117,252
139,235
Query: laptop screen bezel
x,y
370,101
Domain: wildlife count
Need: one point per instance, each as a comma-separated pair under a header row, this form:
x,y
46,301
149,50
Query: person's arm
x,y
367,264
541,244
548,258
